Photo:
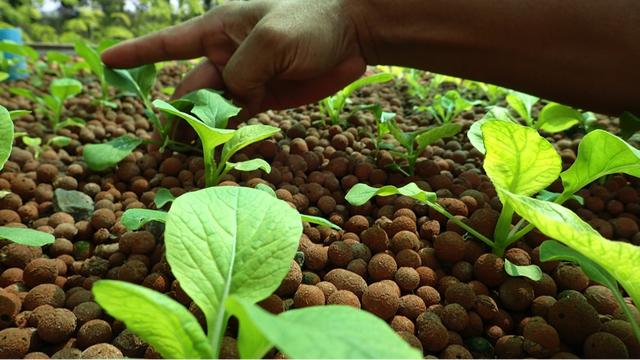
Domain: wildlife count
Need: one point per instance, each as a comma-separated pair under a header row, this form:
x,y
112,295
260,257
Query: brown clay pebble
x,y
15,343
449,247
93,332
343,297
40,271
622,329
404,240
103,218
460,293
10,306
102,351
308,295
381,300
87,311
36,355
432,334
602,299
327,288
133,271
56,326
130,344
540,339
516,294
382,267
411,306
347,280
340,253
407,278
455,317
574,319
42,294
272,304
376,239
571,276
229,348
510,347
455,351
290,283
139,242
602,345
429,295
489,269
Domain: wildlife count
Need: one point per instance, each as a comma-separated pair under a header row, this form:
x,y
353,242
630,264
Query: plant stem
x,y
501,232
209,170
458,222
517,233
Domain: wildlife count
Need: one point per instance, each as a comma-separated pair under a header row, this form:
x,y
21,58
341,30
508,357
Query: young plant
x,y
445,108
230,247
35,143
493,93
382,124
211,113
52,104
333,106
552,118
18,235
63,65
92,57
414,142
417,88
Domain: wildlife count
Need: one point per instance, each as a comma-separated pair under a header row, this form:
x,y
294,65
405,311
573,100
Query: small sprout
x,y
100,157
532,272
447,107
163,197
552,118
92,58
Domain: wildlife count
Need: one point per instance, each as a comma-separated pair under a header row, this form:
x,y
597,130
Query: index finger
x,y
183,41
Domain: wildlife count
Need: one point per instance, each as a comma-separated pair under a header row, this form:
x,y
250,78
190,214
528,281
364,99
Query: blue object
x,y
19,69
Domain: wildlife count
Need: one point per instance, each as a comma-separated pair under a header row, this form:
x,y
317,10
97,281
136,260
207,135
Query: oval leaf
x,y
523,104
159,320
474,134
134,219
554,118
311,333
600,153
6,136
230,240
250,165
519,159
361,193
434,134
27,237
63,89
137,80
532,272
211,108
100,157
246,136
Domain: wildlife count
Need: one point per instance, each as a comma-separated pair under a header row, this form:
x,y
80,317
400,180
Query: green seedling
x,y
446,107
230,247
22,236
333,106
415,142
92,58
553,251
52,105
417,87
382,124
552,118
63,65
35,143
211,113
100,157
493,93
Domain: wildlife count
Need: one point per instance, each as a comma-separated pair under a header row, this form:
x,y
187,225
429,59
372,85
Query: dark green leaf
x,y
100,157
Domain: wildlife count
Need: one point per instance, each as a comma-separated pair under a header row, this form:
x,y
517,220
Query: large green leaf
x,y
137,80
620,259
6,135
226,241
518,159
103,156
434,134
246,136
159,320
211,108
554,118
134,219
317,332
552,251
523,104
65,88
361,193
474,134
24,236
600,153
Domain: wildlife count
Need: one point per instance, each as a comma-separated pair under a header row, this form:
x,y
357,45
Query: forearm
x,y
578,52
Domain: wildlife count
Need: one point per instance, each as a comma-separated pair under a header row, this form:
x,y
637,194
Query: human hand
x,y
266,54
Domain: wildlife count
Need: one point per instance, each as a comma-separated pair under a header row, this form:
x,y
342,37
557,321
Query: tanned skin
x,y
276,54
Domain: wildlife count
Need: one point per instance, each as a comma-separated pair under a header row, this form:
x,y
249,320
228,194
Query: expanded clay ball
x,y
316,257
94,332
429,295
132,345
602,299
454,317
484,221
571,276
623,227
432,334
347,280
402,323
87,311
399,224
460,293
358,266
622,329
138,242
308,295
411,306
407,278
489,269
133,271
381,300
327,288
339,253
540,339
545,286
428,277
574,319
56,326
449,247
404,240
455,351
272,304
44,294
376,239
382,267
516,294
356,224
510,347
102,351
602,345
11,276
10,305
541,305
40,271
15,343
344,297
290,283
409,258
